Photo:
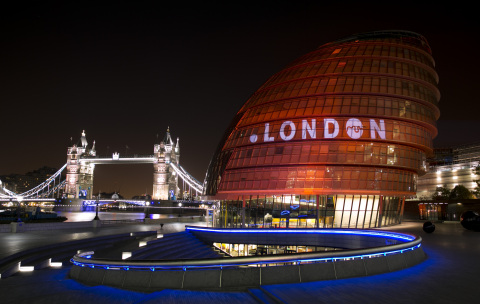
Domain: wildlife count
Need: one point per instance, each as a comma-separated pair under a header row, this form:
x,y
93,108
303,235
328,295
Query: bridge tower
x,y
79,175
165,180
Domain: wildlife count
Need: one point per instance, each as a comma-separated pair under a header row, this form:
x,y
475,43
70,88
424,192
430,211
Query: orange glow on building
x,y
348,125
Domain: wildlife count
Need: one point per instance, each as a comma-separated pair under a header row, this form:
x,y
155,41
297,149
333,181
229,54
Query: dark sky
x,y
124,72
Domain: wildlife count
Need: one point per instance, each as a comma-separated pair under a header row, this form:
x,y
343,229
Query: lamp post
x,y
19,200
146,208
96,218
17,225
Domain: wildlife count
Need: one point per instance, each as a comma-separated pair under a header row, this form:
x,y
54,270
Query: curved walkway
x,y
160,264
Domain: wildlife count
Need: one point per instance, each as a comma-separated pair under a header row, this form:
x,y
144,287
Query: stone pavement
x,y
449,275
15,242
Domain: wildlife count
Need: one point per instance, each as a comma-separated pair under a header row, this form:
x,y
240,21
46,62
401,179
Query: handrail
x,y
85,259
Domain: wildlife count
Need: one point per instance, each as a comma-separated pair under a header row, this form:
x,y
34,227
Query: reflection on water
x,y
89,215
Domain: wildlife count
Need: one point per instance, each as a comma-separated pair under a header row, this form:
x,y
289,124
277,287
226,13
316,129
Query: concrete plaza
x,y
449,275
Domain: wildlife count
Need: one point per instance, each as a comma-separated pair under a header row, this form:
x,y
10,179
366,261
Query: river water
x,y
112,215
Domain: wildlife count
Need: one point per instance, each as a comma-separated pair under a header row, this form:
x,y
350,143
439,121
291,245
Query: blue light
x,y
307,201
285,212
383,251
293,260
294,207
392,235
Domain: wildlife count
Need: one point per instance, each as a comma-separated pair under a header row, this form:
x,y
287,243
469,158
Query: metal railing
x,y
85,259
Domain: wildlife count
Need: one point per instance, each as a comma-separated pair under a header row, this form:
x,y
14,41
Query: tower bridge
x,y
80,168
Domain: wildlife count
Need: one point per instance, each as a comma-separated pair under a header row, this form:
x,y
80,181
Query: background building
x,y
336,139
20,183
450,186
450,167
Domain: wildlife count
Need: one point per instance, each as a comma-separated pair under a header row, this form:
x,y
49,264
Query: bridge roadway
x,y
449,275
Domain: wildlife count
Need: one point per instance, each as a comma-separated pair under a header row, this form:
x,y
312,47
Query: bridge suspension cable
x,y
4,195
186,177
54,189
45,189
39,188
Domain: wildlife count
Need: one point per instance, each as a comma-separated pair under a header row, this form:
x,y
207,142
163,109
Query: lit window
x,y
336,51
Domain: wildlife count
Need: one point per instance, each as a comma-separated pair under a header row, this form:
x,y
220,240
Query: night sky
x,y
124,72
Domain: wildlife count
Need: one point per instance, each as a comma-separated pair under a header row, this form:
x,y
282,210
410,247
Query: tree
x,y
476,171
476,191
441,193
461,192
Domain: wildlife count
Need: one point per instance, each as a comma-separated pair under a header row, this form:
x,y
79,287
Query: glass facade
x,y
310,211
341,134
238,250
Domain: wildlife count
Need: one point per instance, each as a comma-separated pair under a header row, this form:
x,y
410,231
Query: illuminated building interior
x,y
336,139
448,168
253,249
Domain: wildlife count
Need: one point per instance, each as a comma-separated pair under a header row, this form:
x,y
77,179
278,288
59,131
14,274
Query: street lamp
x,y
96,218
146,208
19,200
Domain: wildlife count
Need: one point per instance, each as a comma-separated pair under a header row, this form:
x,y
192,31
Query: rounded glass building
x,y
336,139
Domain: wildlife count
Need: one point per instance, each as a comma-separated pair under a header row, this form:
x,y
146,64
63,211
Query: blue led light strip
x,y
287,259
409,242
373,233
